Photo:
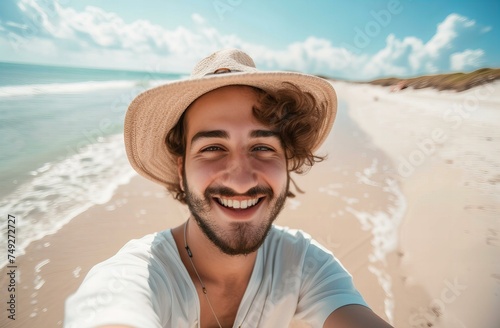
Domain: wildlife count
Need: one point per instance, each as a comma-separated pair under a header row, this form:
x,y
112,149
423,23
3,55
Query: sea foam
x,y
61,190
73,87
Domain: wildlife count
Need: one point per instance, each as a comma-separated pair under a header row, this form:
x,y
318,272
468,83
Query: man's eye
x,y
211,148
262,148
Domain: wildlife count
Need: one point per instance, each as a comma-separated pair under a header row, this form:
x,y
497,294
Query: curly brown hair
x,y
292,113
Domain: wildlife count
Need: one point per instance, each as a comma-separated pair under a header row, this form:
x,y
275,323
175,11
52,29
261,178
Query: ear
x,y
180,166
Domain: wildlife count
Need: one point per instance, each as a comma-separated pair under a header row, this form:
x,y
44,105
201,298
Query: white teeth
x,y
238,204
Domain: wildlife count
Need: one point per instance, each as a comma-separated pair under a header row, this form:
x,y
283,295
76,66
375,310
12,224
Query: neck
x,y
213,266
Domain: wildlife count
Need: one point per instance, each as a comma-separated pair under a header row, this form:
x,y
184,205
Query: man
x,y
224,142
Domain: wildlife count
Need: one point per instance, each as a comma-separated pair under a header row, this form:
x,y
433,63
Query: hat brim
x,y
154,112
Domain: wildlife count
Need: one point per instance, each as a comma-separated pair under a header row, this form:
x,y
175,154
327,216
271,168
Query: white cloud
x,y
396,58
400,57
428,57
96,37
447,32
197,18
486,29
468,59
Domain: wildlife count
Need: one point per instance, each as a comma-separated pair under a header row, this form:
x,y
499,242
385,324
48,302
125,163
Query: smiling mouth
x,y
238,204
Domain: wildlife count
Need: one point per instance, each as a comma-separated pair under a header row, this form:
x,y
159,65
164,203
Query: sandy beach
x,y
444,146
408,200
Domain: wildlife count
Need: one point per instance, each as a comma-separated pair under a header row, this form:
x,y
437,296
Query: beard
x,y
241,238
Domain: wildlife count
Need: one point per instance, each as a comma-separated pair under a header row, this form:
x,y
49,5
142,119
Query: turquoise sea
x,y
61,149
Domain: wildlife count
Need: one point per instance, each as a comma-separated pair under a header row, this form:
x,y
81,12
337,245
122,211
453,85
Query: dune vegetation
x,y
453,81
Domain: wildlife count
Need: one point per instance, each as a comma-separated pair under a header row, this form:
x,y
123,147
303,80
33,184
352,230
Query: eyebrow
x,y
221,134
210,134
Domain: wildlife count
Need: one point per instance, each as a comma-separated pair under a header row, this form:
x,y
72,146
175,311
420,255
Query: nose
x,y
240,175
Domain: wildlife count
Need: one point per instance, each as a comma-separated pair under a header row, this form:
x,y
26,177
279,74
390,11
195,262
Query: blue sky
x,y
355,40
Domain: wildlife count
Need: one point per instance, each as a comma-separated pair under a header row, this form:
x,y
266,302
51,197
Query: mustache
x,y
253,192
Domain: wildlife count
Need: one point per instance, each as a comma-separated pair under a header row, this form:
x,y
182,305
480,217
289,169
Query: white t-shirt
x,y
146,285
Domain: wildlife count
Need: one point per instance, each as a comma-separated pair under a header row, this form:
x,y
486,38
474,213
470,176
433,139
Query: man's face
x,y
234,172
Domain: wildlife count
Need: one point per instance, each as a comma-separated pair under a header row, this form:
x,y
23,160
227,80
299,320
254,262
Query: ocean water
x,y
61,145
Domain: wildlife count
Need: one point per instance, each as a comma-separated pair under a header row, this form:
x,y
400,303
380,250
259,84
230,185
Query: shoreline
x,y
54,266
62,189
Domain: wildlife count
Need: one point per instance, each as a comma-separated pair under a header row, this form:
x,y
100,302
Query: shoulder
x,y
293,240
154,254
296,248
137,283
138,264
138,251
290,246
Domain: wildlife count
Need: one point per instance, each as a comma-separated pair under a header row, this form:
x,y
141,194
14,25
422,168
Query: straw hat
x,y
154,112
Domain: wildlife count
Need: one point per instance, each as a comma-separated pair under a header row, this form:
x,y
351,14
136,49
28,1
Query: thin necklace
x,y
190,256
